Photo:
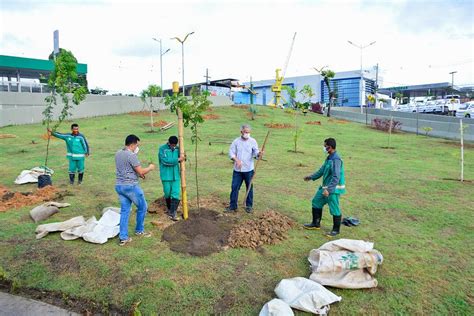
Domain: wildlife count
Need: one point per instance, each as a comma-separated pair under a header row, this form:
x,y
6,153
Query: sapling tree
x,y
306,93
149,93
63,84
192,110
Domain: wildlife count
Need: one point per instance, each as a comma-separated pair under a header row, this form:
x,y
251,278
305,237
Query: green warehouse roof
x,y
28,65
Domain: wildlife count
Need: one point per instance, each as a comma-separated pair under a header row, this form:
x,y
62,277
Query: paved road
x,y
11,305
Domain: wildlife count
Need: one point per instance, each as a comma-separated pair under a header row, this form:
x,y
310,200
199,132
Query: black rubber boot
x,y
71,178
174,207
316,223
81,176
168,206
336,226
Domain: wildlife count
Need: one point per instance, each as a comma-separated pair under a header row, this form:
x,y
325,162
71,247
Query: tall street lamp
x,y
182,54
452,79
161,62
362,93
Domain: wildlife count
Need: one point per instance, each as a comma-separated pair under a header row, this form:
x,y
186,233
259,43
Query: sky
x,y
417,41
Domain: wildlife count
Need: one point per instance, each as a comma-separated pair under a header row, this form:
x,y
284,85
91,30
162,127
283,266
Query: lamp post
x,y
161,62
362,93
182,55
452,79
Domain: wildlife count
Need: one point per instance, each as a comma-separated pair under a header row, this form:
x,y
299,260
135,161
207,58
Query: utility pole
x,y
251,90
207,79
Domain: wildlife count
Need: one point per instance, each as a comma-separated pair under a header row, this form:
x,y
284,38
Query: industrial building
x,y
346,86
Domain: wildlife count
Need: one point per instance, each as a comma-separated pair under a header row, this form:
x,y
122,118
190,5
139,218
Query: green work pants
x,y
76,164
319,200
172,189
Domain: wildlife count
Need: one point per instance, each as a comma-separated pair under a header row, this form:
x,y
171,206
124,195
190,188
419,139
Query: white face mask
x,y
325,150
246,135
137,149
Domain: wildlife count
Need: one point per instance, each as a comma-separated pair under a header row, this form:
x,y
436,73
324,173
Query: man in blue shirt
x,y
242,151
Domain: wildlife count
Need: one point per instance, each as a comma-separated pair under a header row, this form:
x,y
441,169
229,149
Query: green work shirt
x,y
76,145
169,165
332,172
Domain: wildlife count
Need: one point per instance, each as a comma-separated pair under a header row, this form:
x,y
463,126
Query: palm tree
x,y
150,92
327,76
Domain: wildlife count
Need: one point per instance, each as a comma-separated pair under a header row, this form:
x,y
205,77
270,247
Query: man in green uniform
x,y
333,185
77,150
168,156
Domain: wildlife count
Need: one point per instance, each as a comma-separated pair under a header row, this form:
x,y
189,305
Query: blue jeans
x,y
129,194
237,179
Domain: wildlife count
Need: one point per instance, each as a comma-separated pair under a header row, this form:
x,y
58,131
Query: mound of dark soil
x,y
203,233
270,228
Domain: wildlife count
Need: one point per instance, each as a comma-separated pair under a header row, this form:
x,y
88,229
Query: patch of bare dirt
x,y
278,125
161,219
143,113
313,123
14,200
242,107
160,123
210,116
268,229
2,136
338,121
459,180
203,233
45,136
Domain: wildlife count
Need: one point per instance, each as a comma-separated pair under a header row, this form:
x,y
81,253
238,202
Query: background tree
x,y
152,91
399,97
63,83
327,76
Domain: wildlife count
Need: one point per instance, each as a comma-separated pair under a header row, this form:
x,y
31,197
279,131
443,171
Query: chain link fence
x,y
419,123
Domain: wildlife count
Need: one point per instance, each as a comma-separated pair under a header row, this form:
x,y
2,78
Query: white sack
x,y
276,307
306,295
31,176
79,231
345,263
44,229
111,208
45,210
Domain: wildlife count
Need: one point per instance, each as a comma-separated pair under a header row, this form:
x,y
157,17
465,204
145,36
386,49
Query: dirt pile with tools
x,y
268,229
203,233
14,200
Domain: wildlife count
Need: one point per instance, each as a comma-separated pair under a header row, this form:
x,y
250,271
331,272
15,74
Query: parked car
x,y
466,110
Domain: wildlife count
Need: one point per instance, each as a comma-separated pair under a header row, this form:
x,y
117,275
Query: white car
x,y
466,110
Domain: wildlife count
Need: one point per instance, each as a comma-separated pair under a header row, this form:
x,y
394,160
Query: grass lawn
x,y
421,223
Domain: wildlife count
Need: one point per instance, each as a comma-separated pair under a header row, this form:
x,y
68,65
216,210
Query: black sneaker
x,y
311,226
230,210
249,210
332,233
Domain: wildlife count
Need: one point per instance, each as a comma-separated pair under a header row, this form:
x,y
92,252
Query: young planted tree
x,y
152,91
192,116
306,93
327,76
63,84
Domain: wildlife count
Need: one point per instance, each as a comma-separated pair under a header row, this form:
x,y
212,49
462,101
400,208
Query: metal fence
x,y
419,123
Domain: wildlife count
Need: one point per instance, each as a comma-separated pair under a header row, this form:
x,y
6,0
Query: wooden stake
x,y
182,165
255,169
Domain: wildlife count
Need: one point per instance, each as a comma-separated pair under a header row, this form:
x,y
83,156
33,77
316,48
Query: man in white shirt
x,y
242,151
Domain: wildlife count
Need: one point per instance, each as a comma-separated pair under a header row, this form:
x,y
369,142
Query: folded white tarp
x,y
306,295
92,230
345,263
276,307
45,210
31,176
